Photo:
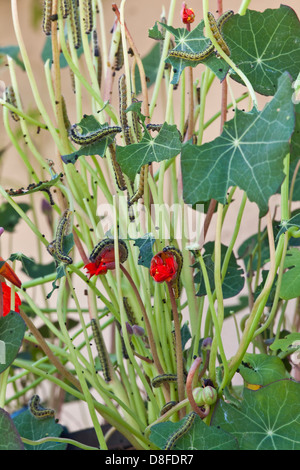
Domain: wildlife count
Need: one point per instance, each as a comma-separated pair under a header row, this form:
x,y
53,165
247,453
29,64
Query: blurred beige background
x,y
140,16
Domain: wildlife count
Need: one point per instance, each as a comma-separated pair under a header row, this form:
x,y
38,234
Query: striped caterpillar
x,y
92,137
194,57
140,191
65,8
117,169
216,31
98,57
11,99
106,245
55,248
75,25
223,18
179,259
122,109
163,378
38,411
88,16
167,406
188,422
101,349
47,12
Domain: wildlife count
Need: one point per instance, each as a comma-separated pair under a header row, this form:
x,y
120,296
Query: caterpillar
x,y
47,12
223,18
106,245
92,137
11,99
101,349
122,109
98,57
217,34
65,114
38,411
65,8
160,379
119,57
194,57
129,312
55,248
188,422
88,16
140,191
117,169
167,406
179,259
75,25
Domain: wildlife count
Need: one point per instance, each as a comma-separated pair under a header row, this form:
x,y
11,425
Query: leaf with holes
x,y
164,146
268,419
193,42
261,369
249,153
264,45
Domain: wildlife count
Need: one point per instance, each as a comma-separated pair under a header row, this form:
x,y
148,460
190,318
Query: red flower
x,y
103,257
187,14
102,264
6,291
163,267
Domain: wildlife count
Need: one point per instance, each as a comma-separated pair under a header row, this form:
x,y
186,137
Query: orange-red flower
x,y
102,264
187,14
9,274
163,267
6,300
102,257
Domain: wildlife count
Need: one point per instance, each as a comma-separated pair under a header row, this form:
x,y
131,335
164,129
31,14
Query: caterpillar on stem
x,y
88,16
11,99
117,169
179,259
47,12
75,25
101,349
55,248
217,33
163,378
38,411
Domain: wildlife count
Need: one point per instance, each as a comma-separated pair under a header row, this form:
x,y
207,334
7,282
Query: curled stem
x,y
189,387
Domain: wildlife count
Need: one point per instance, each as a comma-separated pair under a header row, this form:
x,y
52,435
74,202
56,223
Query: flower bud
x,y
187,14
198,395
209,395
206,344
138,330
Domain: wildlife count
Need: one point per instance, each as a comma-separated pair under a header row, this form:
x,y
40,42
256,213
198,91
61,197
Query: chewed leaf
x,y
89,124
164,146
193,42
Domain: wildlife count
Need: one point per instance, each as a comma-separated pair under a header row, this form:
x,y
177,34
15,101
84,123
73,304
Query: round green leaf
x,y
260,369
268,419
9,436
12,329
